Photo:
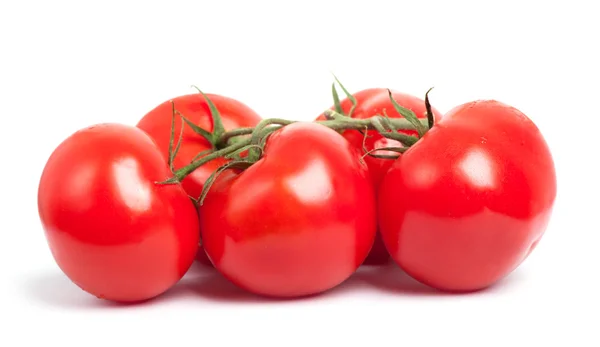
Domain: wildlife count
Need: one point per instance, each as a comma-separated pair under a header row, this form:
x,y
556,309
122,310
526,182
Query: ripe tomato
x,y
371,102
158,123
298,222
466,204
111,229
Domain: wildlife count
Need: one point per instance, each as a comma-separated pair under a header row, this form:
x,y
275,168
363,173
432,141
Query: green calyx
x,y
218,129
430,118
336,98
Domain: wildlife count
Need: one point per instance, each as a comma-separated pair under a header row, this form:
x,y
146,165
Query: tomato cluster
x,y
288,209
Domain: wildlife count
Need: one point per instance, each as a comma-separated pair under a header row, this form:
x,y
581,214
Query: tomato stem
x,y
386,126
335,121
224,140
255,152
182,172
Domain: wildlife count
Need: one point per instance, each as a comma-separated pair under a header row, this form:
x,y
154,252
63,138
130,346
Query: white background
x,y
66,65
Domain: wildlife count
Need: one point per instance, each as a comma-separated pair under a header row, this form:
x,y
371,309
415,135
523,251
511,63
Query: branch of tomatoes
x,y
462,187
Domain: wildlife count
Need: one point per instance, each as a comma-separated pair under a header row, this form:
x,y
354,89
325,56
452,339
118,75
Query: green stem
x,y
223,141
398,124
265,123
254,153
254,145
181,173
345,123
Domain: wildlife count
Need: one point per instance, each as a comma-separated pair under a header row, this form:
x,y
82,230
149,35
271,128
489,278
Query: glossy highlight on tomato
x,y
111,228
297,222
369,103
466,205
158,124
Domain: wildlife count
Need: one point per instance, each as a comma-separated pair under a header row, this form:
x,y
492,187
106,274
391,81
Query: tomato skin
x,y
298,222
371,102
158,122
463,207
111,229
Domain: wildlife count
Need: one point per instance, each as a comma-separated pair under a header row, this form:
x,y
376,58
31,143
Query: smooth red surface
x,y
111,229
467,204
157,124
371,102
298,222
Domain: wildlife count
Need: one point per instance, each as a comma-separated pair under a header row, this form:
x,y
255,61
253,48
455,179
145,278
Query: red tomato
x,y
158,123
298,222
371,102
111,229
466,204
